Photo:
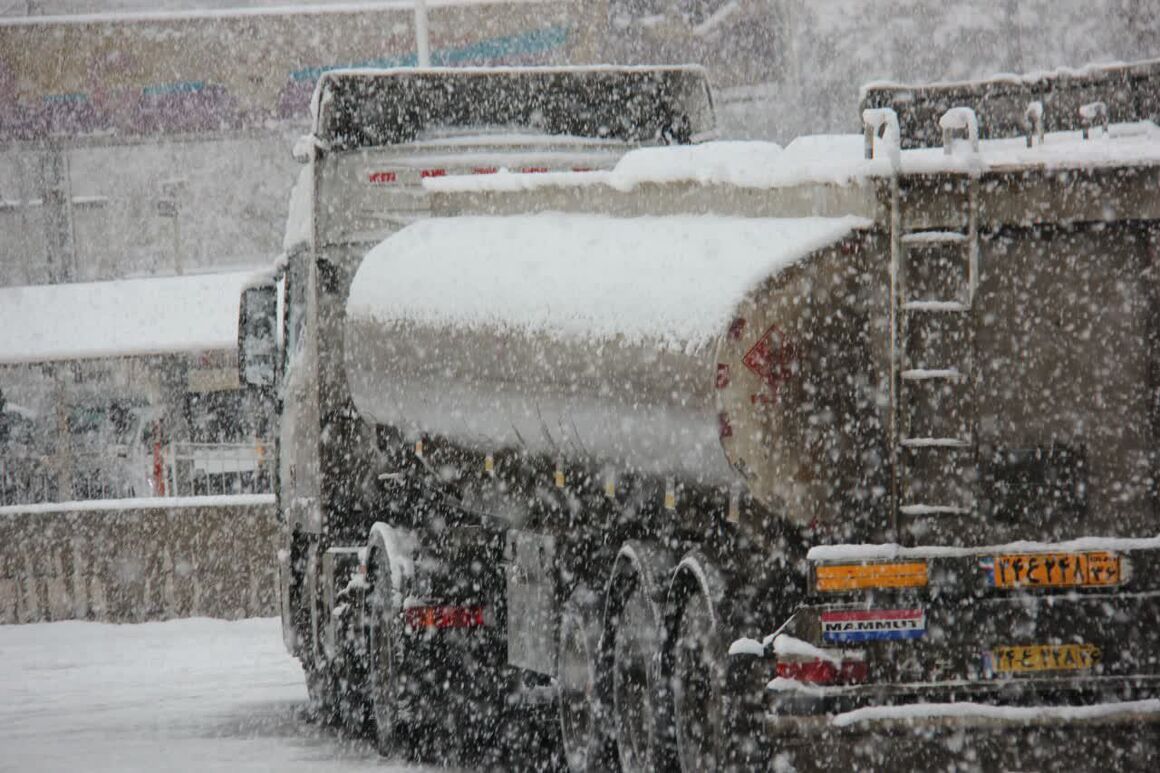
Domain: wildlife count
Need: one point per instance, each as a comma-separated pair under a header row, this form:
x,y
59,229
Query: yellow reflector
x,y
862,576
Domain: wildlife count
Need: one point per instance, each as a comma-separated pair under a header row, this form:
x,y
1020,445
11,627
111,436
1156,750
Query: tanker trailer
x,y
569,380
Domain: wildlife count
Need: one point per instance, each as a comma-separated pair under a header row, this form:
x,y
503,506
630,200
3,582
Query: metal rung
x,y
926,374
935,442
935,306
934,237
934,510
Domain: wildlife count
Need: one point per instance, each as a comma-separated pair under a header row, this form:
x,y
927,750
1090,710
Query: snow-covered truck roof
x,y
127,317
670,280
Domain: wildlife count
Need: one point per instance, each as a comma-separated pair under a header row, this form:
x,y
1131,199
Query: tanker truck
x,y
728,455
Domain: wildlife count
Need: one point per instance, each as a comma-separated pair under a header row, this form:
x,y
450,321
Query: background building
x,y
125,388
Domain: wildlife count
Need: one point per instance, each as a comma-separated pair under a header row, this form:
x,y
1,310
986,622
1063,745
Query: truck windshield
x,y
668,105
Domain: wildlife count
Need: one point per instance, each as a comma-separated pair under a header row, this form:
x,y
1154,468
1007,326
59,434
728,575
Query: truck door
x,y
298,431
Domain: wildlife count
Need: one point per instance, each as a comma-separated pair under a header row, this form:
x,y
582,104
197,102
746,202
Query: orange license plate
x,y
1029,658
1092,569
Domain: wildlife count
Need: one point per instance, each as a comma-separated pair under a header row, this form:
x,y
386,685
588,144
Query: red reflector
x,y
581,169
824,671
381,178
534,169
484,170
433,173
722,375
443,617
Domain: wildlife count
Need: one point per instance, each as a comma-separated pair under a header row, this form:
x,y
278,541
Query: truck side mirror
x,y
257,336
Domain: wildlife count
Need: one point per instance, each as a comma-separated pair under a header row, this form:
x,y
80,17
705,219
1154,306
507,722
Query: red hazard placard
x,y
772,359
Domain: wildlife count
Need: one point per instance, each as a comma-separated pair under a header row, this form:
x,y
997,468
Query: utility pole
x,y
169,206
57,202
1014,35
422,36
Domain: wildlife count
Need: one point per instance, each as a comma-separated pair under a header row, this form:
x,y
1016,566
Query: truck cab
x,y
378,136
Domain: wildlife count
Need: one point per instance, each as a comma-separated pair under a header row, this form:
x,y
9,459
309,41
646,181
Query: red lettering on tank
x,y
722,375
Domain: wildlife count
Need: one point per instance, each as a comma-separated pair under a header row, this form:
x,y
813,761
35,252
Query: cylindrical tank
x,y
644,343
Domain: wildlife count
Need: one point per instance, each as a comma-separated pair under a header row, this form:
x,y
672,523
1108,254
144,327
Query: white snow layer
x,y
674,280
746,646
916,712
141,503
891,550
787,646
828,159
156,315
185,695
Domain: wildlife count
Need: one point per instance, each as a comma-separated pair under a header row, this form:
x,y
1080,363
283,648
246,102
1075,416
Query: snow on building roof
x,y
157,315
674,280
833,159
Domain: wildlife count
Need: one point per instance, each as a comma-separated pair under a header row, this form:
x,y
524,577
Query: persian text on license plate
x,y
1020,659
1056,570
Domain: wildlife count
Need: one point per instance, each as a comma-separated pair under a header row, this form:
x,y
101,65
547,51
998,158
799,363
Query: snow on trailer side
x,y
820,160
588,337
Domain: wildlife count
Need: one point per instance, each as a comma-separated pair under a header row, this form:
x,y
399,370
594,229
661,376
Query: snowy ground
x,y
184,695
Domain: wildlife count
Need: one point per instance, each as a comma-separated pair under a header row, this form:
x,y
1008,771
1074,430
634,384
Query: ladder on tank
x,y
936,278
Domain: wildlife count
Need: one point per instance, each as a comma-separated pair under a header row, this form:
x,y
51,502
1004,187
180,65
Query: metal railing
x,y
207,469
31,478
178,469
26,479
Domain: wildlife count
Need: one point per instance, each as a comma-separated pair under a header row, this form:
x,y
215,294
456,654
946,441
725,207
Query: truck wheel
x,y
635,630
384,621
581,728
696,662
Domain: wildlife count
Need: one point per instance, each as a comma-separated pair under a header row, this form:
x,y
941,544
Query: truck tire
x,y
582,723
631,651
384,621
696,663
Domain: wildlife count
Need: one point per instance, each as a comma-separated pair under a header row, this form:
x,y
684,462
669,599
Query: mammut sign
x,y
873,625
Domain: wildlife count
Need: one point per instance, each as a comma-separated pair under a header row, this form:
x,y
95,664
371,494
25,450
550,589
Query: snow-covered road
x,y
184,695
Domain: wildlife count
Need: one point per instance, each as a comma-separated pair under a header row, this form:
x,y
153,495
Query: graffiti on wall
x,y
161,75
